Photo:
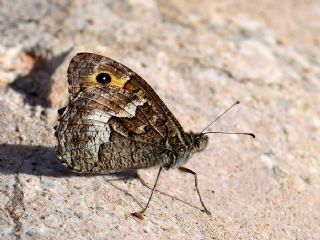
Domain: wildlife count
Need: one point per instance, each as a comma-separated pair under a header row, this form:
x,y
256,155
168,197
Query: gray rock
x,y
200,57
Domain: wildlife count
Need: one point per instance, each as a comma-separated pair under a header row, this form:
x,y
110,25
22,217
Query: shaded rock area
x,y
200,57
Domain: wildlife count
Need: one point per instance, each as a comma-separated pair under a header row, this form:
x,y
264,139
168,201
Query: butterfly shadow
x,y
168,195
43,161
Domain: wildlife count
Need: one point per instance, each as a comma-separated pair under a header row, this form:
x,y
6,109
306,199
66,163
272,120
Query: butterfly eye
x,y
103,78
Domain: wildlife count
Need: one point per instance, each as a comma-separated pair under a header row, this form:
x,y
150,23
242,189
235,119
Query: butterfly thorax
x,y
194,142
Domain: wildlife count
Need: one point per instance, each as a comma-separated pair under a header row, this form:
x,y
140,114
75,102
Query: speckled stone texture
x,y
200,57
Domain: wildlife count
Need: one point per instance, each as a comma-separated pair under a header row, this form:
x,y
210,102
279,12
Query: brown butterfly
x,y
115,121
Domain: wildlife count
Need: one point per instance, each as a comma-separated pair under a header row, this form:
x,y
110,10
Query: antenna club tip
x,y
237,102
252,135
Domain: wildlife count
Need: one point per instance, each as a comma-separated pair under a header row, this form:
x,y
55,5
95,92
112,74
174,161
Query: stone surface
x,y
200,56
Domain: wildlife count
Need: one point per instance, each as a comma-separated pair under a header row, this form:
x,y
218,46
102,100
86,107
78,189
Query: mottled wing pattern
x,y
116,126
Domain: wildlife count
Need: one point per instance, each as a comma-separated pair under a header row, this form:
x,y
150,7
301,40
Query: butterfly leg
x,y
187,170
154,187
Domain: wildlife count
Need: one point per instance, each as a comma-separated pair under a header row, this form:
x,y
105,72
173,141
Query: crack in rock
x,y
15,206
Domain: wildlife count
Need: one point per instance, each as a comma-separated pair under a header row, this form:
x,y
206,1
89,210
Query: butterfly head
x,y
197,141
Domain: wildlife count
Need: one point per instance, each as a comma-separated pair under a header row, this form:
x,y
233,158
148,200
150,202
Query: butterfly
x,y
115,121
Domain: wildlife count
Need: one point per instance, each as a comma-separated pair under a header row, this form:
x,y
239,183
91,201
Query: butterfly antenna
x,y
239,133
236,103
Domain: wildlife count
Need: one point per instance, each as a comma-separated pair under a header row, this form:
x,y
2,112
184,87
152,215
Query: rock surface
x,y
200,57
